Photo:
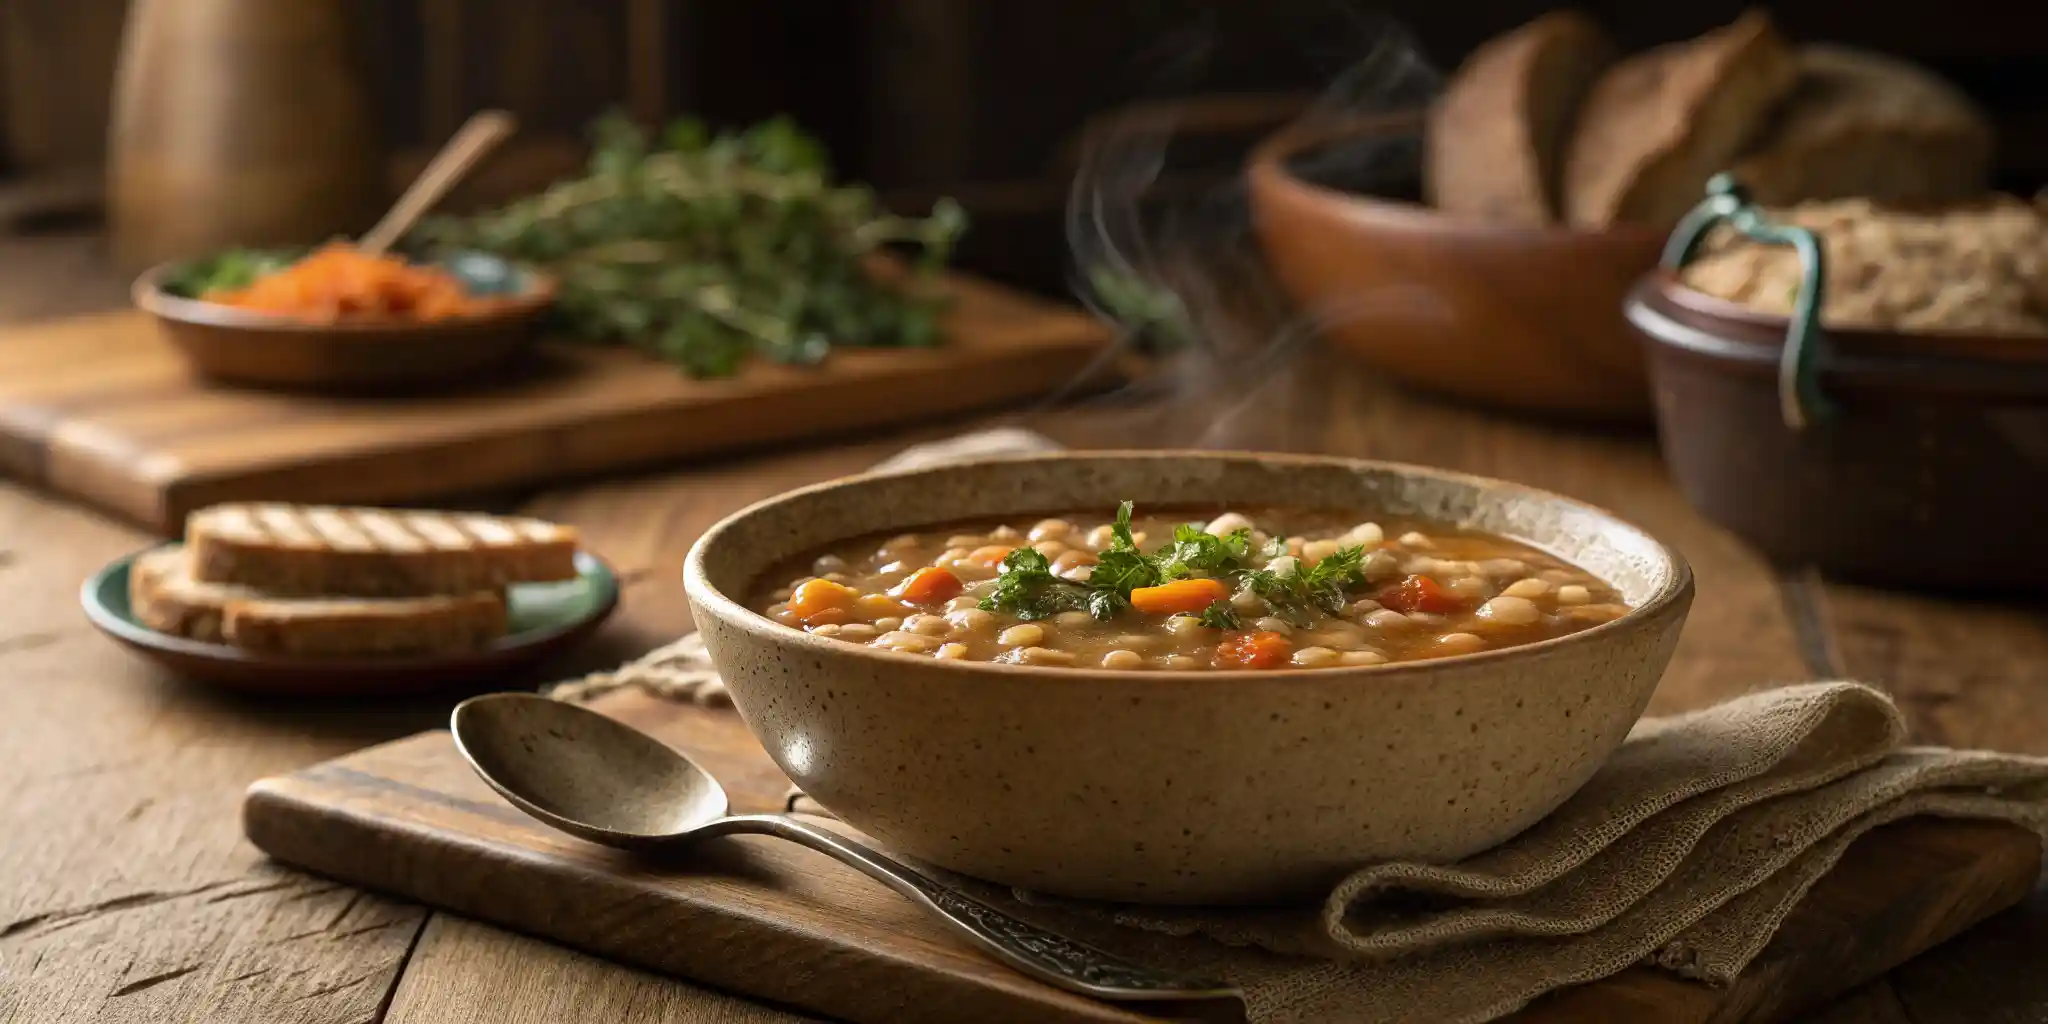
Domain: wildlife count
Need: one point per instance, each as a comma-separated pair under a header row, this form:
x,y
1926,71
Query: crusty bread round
x,y
1659,124
1495,145
1860,125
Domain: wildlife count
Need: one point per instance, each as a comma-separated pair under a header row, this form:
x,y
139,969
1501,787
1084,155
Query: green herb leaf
x,y
1026,587
705,250
1220,615
1296,596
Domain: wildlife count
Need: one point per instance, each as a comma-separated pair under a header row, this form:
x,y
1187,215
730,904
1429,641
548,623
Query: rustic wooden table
x,y
128,894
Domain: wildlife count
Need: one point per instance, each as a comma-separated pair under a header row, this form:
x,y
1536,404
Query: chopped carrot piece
x,y
1253,650
337,282
818,597
1179,597
1420,594
991,555
929,585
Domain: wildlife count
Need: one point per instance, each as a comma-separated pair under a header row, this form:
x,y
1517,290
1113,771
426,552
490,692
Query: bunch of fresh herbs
x,y
1027,588
706,249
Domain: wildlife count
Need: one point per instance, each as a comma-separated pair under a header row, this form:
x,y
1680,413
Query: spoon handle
x,y
1051,958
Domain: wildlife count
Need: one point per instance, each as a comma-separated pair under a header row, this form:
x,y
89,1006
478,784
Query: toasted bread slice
x,y
1658,125
323,551
166,598
1497,135
1861,125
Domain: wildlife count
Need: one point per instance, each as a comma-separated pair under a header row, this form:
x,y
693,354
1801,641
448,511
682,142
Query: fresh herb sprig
x,y
705,249
1027,588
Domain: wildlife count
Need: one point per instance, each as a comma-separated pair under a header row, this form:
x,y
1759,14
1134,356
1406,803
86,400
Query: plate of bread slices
x,y
338,600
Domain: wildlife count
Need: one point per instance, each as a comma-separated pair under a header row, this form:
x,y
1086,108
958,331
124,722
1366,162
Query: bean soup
x,y
1266,589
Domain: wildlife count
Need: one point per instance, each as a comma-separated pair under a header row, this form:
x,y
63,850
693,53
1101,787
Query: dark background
x,y
985,100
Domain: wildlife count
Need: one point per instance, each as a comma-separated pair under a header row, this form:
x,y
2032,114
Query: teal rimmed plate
x,y
547,618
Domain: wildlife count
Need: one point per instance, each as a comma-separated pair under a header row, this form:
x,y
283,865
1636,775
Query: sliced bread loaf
x,y
1658,125
165,597
1496,139
322,551
1861,125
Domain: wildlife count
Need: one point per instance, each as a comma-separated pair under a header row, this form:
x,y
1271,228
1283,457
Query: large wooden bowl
x,y
248,347
1520,318
1210,787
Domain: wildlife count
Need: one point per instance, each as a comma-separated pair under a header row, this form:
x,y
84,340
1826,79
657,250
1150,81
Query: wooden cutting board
x,y
100,410
765,918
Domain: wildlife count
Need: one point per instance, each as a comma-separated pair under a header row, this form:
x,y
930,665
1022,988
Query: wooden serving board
x,y
99,409
768,919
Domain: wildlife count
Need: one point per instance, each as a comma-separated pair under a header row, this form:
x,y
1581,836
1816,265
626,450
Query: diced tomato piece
x,y
929,585
1253,650
1420,594
1179,597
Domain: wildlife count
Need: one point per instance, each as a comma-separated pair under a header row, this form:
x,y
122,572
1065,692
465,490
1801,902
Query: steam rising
x,y
1180,267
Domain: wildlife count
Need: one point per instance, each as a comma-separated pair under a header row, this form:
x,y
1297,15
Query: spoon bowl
x,y
584,773
602,780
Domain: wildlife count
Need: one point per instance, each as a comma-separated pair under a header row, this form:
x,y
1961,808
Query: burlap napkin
x,y
1686,851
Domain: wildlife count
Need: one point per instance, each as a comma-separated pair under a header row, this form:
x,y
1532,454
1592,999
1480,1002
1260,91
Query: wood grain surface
x,y
773,920
127,893
101,410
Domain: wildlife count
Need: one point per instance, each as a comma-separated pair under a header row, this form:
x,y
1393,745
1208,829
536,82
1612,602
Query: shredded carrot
x,y
337,282
1253,650
929,585
1179,597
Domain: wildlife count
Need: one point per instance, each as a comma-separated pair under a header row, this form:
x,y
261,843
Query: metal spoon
x,y
602,780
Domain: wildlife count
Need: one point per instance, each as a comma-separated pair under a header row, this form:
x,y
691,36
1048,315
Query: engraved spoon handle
x,y
1051,958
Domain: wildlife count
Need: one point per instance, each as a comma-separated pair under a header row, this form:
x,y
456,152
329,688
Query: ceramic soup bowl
x,y
1207,787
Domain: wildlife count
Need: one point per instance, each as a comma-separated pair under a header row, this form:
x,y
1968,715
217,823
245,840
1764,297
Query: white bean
x,y
1362,658
828,629
1099,537
951,652
1078,574
1387,620
1071,559
1136,641
953,553
1504,568
1459,643
1269,624
1412,539
1367,535
856,631
1048,529
1380,565
1186,626
1470,587
965,540
894,567
1363,606
1228,523
969,619
1285,565
888,622
1510,611
1317,550
897,640
963,603
1595,613
1179,663
1051,548
828,564
1572,593
1073,620
1124,660
1005,533
1044,656
1248,602
929,625
1025,634
1526,588
1314,657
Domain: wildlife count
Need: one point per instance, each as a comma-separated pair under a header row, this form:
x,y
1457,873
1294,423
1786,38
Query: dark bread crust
x,y
326,551
1497,136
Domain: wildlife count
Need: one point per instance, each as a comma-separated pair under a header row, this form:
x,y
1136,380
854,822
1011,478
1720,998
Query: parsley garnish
x,y
1027,588
1320,586
1220,615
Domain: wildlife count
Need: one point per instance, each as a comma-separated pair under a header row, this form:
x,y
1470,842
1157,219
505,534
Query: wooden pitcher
x,y
239,122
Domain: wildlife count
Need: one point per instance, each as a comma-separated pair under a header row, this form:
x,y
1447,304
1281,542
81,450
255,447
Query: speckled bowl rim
x,y
1677,586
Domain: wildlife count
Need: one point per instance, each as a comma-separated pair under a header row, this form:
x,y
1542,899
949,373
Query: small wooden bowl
x,y
1521,318
241,346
